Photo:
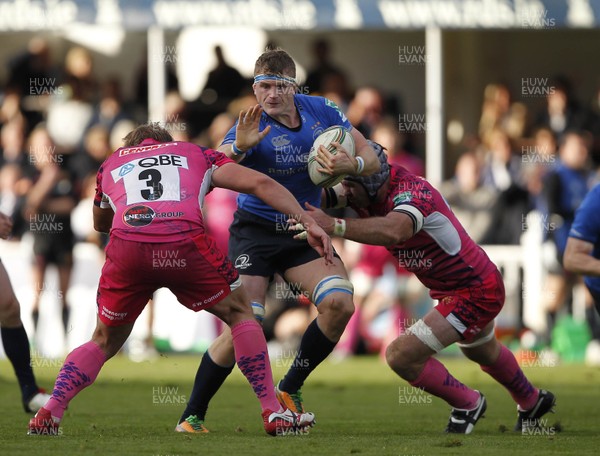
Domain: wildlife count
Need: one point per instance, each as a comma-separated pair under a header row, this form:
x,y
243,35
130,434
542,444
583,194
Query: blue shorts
x,y
260,247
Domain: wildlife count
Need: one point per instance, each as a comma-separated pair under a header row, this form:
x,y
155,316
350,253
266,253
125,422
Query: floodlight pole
x,y
434,105
156,74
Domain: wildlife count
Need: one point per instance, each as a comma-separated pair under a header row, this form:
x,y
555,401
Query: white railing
x,y
524,269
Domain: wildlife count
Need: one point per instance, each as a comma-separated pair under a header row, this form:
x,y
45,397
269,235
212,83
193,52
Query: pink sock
x,y
349,340
507,372
253,360
79,370
436,379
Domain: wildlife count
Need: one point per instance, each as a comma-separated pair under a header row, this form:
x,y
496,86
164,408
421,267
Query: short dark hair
x,y
151,130
275,61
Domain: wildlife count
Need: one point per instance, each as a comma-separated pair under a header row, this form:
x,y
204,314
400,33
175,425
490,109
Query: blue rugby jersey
x,y
283,153
586,227
573,187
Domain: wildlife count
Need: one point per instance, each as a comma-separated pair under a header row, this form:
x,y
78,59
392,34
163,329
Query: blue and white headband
x,y
274,77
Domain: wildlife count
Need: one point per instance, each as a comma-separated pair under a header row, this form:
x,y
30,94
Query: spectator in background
x,y
119,131
393,140
109,109
224,82
219,204
79,77
141,83
366,109
81,216
48,210
14,171
13,188
177,116
565,189
12,142
499,111
326,78
336,87
223,85
322,66
592,124
32,77
218,129
473,203
10,110
72,106
35,63
562,113
538,160
502,173
96,148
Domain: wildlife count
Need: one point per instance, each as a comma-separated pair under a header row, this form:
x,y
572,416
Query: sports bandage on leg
x,y
235,285
424,333
331,284
258,310
478,342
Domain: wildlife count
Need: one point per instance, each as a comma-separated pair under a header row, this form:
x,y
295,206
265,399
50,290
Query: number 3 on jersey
x,y
151,178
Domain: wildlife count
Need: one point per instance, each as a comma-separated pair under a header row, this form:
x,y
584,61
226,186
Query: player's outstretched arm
x,y
578,258
244,180
392,229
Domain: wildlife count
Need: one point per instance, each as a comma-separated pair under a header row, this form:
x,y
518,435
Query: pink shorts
x,y
197,273
469,310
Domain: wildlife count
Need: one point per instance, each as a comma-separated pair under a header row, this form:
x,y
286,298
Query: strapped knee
x,y
331,284
424,333
235,285
478,342
258,310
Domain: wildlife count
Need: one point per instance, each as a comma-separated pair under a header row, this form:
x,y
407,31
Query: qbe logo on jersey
x,y
153,178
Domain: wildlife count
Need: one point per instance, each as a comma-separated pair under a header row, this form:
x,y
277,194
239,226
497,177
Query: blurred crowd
x,y
524,161
58,123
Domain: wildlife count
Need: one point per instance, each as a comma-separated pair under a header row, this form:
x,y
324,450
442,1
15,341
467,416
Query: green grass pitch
x,y
362,408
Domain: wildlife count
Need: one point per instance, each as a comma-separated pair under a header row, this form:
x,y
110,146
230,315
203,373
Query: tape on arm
x,y
414,214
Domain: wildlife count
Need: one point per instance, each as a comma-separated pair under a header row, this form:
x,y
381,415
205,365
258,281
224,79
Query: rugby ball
x,y
332,134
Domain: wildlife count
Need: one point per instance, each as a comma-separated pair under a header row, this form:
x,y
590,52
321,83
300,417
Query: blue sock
x,y
16,346
209,378
314,348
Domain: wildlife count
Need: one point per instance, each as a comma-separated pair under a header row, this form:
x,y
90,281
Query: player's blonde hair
x,y
151,130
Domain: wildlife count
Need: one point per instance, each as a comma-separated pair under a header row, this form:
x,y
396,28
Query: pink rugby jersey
x,y
157,189
441,254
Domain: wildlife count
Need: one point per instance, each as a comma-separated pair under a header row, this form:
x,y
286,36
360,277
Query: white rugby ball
x,y
332,134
